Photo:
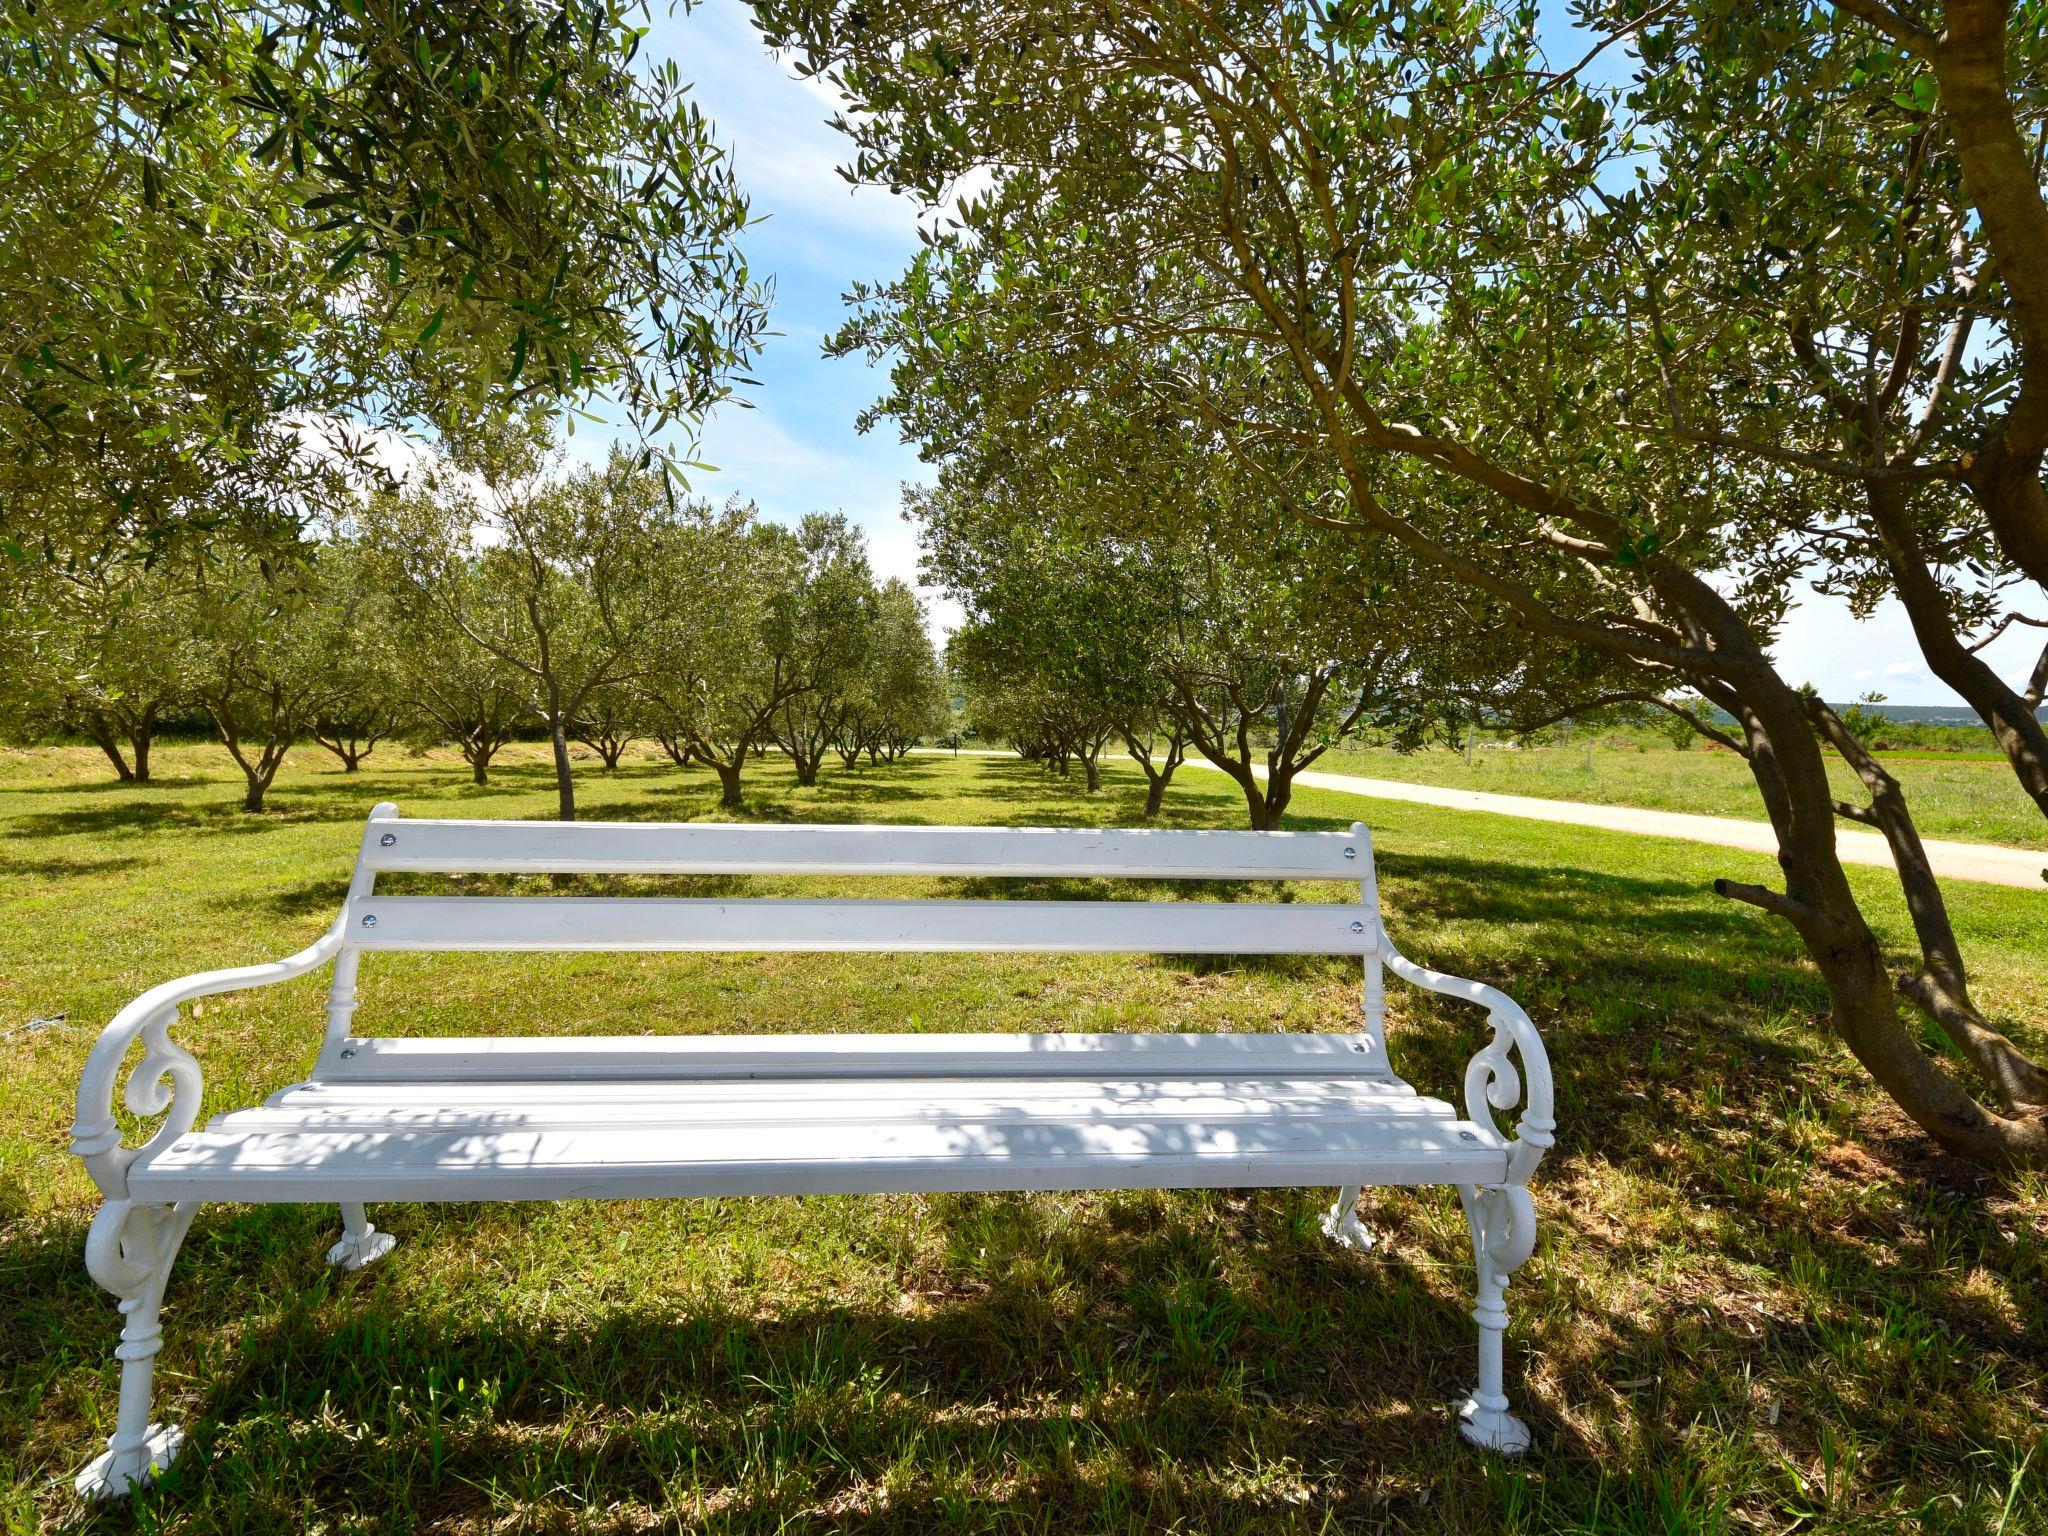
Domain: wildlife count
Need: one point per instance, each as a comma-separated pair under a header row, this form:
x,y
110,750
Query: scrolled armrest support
x,y
1492,1079
167,1081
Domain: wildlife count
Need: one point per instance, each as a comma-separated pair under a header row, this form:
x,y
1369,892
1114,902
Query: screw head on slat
x,y
387,839
1358,927
1350,853
369,919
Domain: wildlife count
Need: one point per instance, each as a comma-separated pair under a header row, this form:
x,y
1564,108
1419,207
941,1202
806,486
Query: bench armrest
x,y
166,1081
1492,1081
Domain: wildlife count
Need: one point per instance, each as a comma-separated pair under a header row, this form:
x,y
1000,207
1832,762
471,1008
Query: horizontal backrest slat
x,y
719,1058
679,923
631,848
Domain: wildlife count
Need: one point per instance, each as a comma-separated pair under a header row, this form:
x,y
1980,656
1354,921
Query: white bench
x,y
607,1118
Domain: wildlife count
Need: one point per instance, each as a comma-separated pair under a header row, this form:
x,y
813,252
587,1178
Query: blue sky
x,y
796,450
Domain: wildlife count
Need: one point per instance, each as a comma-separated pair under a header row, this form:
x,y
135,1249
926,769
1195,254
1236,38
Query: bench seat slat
x,y
415,1106
955,1136
643,923
612,1058
593,847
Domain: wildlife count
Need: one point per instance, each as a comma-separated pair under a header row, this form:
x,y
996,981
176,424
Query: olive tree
x,y
238,232
1048,716
827,614
900,694
261,675
1254,692
1063,628
451,688
725,658
1257,644
1852,332
104,652
352,622
558,576
610,720
1371,257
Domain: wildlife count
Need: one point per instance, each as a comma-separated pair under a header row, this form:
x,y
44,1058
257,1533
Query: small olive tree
x,y
828,615
104,652
900,696
556,575
451,688
725,658
262,675
353,622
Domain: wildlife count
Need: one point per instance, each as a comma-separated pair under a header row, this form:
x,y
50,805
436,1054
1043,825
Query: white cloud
x,y
777,125
1841,655
755,455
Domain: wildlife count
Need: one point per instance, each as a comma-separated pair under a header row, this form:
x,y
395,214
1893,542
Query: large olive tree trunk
x,y
729,796
1782,735
103,737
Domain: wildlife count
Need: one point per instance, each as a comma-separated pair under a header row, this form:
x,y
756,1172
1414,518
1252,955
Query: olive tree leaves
x,y
234,230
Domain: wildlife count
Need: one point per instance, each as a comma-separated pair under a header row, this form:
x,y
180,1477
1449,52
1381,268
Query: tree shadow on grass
x,y
838,798
297,901
843,793
1112,888
1117,1362
699,887
1170,1347
211,818
44,866
161,782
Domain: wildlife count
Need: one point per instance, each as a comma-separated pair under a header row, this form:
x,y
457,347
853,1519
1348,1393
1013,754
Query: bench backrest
x,y
391,844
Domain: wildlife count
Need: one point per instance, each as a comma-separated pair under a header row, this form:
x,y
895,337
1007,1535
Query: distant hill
x,y
1912,714
1928,714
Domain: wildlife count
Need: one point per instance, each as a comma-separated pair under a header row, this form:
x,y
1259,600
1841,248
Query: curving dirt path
x,y
1989,862
1992,863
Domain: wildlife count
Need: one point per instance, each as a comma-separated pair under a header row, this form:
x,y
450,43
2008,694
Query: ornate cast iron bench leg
x,y
132,1243
1502,1217
1503,1223
129,1251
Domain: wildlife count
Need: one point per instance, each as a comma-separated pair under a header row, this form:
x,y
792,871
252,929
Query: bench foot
x,y
129,1252
115,1474
361,1244
1493,1429
1342,1226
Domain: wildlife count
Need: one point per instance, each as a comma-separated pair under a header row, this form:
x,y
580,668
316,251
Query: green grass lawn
x,y
1759,1303
1972,799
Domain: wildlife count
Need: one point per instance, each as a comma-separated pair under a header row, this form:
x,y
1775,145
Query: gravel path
x,y
1989,862
1992,863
